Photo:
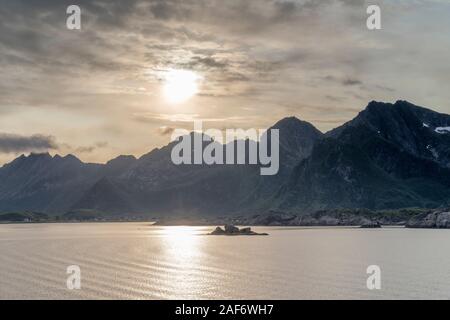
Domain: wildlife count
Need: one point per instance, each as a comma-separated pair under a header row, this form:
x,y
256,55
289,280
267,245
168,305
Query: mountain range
x,y
389,156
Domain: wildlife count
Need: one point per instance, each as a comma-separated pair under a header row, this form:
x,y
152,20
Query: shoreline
x,y
362,218
212,225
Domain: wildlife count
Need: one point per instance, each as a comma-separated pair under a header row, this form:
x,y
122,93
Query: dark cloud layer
x,y
10,143
92,148
259,61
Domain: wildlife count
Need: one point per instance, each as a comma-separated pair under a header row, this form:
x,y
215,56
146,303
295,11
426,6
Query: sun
x,y
180,85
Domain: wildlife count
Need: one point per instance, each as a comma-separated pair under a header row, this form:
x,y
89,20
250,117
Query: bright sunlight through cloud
x,y
180,85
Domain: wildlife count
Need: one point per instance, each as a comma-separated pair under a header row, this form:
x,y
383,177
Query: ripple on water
x,y
139,261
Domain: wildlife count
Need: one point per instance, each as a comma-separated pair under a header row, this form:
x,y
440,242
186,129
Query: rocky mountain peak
x,y
390,156
293,124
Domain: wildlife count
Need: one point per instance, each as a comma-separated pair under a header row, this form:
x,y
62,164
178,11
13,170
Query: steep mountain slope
x,y
44,183
105,196
154,184
297,139
415,130
389,156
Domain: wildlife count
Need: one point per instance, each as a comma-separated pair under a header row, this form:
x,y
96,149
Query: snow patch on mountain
x,y
433,151
442,130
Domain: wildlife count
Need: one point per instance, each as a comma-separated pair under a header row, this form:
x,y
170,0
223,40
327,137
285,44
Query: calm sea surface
x,y
139,261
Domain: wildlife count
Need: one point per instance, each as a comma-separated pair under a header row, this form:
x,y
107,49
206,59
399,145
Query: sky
x,y
107,89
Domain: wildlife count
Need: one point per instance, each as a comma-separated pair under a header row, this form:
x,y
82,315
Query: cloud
x,y
11,143
346,81
207,62
92,148
351,82
270,56
165,130
182,118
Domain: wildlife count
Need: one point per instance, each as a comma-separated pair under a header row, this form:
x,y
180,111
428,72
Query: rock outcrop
x,y
231,230
371,225
438,219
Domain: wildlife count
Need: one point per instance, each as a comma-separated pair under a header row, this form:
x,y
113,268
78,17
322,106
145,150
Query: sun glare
x,y
180,85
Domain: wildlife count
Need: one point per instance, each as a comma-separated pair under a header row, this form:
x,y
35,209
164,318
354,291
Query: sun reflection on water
x,y
182,251
182,241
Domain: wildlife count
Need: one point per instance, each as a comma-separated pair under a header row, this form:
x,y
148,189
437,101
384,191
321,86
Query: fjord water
x,y
140,261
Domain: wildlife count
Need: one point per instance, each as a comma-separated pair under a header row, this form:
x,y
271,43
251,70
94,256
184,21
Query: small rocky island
x,y
231,230
371,225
